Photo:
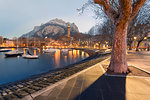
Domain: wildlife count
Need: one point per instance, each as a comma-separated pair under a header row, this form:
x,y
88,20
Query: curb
x,y
123,76
140,69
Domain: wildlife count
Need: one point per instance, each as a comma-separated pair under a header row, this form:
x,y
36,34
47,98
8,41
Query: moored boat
x,y
5,50
64,51
27,56
49,51
14,53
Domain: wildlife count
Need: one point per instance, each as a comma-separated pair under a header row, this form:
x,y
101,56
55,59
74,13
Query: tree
x,y
104,33
141,32
121,14
141,18
130,33
107,31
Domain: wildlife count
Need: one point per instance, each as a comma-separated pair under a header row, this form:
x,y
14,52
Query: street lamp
x,y
135,38
147,45
145,38
134,41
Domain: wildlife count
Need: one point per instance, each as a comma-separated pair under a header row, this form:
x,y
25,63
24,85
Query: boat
x,y
49,50
14,53
36,48
64,51
5,50
27,56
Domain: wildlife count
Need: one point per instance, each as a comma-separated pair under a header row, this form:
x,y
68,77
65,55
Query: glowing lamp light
x,y
145,38
135,38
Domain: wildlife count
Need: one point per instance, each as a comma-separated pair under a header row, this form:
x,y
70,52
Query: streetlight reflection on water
x,y
57,58
70,56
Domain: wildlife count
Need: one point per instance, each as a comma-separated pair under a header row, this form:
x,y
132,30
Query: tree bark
x,y
137,47
118,63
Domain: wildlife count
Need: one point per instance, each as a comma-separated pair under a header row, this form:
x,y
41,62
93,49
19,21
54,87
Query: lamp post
x,y
135,38
134,41
145,38
147,44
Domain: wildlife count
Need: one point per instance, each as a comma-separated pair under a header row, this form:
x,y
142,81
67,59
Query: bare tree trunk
x,y
118,62
148,47
137,47
130,45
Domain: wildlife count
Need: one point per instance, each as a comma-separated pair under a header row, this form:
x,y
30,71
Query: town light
x,y
145,38
135,38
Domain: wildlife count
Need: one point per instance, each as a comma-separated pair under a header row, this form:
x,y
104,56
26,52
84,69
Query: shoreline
x,y
91,54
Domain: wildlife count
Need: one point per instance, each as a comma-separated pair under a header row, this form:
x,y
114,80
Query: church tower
x,y
68,30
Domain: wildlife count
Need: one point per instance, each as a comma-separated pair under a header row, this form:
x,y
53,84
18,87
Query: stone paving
x,y
140,59
92,84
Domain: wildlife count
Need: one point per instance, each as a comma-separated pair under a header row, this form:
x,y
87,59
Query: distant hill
x,y
52,29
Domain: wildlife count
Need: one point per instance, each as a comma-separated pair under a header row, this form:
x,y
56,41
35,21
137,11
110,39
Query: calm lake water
x,y
17,68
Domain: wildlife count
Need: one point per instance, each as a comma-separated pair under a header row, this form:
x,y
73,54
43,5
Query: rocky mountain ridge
x,y
52,29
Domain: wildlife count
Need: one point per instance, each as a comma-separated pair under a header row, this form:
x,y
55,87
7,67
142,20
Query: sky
x,y
18,17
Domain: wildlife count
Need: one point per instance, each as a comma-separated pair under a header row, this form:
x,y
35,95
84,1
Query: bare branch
x,y
105,4
109,11
136,7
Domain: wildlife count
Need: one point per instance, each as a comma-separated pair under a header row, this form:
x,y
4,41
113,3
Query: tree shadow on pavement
x,y
104,88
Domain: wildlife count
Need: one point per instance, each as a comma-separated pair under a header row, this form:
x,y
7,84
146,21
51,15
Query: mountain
x,y
53,29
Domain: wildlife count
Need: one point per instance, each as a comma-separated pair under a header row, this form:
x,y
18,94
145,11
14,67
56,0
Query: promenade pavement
x,y
92,84
140,59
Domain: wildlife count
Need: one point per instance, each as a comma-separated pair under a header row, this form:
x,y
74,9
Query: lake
x,y
18,68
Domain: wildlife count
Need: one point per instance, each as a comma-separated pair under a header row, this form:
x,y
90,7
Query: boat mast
x,y
27,40
17,43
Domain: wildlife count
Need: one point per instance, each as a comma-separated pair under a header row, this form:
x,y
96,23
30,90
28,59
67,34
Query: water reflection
x,y
35,52
65,57
70,55
24,51
16,68
57,58
82,54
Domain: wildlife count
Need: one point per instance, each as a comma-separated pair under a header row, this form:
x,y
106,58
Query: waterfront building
x,y
9,43
1,40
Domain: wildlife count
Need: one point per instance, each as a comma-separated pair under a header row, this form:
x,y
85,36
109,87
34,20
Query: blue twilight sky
x,y
20,16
